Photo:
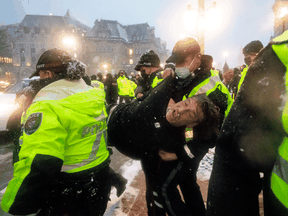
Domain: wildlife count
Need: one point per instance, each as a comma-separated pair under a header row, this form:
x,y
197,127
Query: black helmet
x,y
148,59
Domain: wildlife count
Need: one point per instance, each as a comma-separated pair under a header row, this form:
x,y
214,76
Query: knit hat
x,y
253,47
184,48
148,59
54,60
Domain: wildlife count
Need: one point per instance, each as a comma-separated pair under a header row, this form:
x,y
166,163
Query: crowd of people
x,y
70,121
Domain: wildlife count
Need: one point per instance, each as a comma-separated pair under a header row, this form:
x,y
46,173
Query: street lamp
x,y
105,66
68,42
199,16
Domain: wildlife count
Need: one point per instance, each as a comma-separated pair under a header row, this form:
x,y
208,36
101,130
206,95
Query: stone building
x,y
6,62
37,33
112,46
107,47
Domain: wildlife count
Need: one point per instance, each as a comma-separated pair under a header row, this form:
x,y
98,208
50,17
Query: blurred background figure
x,y
123,87
100,77
96,83
231,80
111,89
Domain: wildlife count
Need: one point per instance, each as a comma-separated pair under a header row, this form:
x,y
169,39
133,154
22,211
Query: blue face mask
x,y
182,72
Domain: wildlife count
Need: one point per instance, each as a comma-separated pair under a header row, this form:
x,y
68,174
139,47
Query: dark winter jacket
x,y
145,83
137,127
111,90
233,85
248,140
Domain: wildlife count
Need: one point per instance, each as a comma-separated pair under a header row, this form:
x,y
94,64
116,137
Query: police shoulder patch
x,y
33,123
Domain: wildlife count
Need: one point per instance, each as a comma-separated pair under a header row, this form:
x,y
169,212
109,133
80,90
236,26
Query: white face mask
x,y
182,72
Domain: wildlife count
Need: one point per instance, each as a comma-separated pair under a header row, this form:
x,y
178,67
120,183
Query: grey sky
x,y
242,20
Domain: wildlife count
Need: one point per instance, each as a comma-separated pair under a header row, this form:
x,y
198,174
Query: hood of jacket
x,y
74,95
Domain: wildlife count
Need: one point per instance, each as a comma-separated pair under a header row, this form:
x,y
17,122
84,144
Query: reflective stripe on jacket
x,y
214,72
97,84
210,85
156,81
243,74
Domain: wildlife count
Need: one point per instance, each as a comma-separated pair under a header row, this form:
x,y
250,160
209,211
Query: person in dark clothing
x,y
231,80
159,133
202,82
249,139
111,89
120,123
100,77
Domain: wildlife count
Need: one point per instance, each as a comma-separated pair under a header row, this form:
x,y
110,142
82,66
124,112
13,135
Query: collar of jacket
x,y
61,89
152,76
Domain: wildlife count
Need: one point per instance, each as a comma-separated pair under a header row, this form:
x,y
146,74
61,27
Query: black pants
x,y
162,179
167,197
150,165
74,197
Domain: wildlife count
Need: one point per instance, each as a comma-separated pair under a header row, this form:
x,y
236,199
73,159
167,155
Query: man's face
x,y
185,113
249,58
46,74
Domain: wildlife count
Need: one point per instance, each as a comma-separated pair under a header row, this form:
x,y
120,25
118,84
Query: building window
x,y
131,61
22,56
32,45
130,51
33,59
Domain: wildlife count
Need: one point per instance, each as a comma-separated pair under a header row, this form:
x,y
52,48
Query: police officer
x,y
249,141
149,66
276,201
123,87
186,58
250,52
63,165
